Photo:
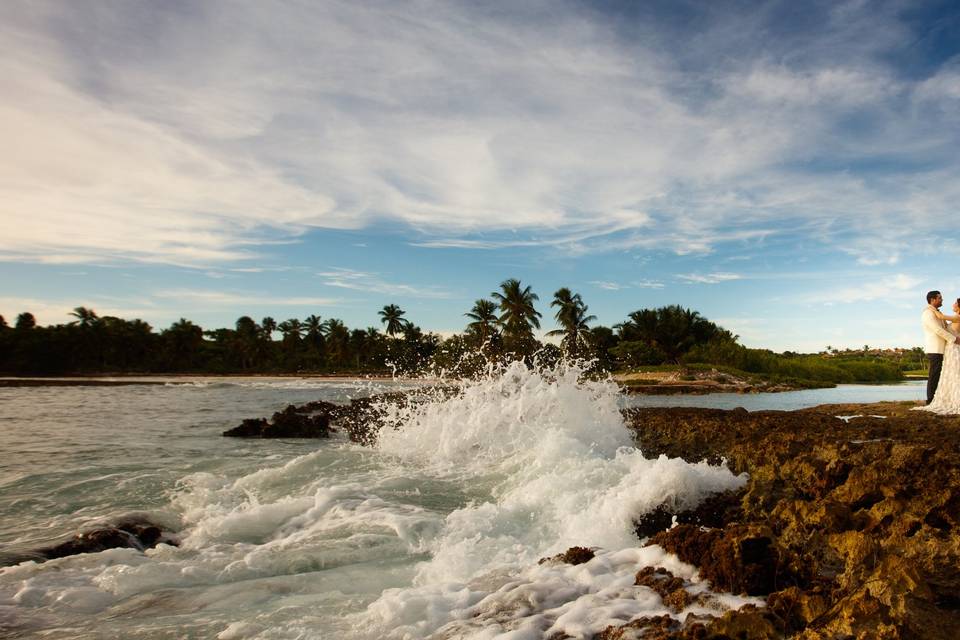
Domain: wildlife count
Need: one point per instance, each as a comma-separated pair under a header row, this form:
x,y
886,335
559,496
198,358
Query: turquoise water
x,y
436,533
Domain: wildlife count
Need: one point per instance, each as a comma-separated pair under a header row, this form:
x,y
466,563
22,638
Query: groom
x,y
937,338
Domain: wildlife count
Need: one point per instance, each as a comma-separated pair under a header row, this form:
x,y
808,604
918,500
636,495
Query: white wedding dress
x,y
947,399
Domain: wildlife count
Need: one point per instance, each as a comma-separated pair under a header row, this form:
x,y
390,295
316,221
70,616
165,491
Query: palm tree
x,y
518,316
245,344
268,325
291,329
338,337
314,327
25,321
392,316
84,317
672,330
572,317
484,319
182,344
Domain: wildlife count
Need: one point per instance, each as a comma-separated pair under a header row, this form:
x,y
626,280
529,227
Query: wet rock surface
x,y
361,418
311,420
126,534
848,528
573,555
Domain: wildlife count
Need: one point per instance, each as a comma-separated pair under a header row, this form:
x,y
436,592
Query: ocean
x,y
434,533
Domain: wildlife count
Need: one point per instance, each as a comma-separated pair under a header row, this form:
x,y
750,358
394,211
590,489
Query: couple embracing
x,y
943,352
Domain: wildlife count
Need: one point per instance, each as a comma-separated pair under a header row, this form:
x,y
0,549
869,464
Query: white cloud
x,y
214,299
709,278
373,283
207,141
891,289
54,311
609,286
648,284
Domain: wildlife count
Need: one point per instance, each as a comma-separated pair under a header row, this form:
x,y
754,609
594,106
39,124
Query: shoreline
x,y
654,385
161,379
844,536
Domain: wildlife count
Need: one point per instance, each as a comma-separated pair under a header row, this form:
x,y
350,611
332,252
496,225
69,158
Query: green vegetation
x,y
669,338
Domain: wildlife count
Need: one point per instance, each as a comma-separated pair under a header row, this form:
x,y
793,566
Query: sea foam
x,y
553,453
436,532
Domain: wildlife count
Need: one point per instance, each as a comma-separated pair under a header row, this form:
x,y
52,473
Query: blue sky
x,y
788,169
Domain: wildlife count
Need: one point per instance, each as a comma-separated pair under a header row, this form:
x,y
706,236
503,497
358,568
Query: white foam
x,y
437,531
557,459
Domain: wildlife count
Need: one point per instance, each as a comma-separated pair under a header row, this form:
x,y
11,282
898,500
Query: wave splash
x,y
435,533
558,464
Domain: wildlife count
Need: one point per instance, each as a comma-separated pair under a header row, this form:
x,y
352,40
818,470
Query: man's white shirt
x,y
935,331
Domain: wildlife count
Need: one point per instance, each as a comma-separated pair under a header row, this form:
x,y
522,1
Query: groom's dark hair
x,y
931,295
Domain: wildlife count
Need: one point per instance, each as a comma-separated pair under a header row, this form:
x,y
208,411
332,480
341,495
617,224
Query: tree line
x,y
499,328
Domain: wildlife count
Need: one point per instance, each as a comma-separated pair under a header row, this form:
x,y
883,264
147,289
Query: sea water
x,y
434,533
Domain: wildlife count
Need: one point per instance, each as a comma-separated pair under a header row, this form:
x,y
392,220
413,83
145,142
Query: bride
x,y
947,399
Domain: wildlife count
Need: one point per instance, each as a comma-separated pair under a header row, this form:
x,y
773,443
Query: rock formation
x,y
848,527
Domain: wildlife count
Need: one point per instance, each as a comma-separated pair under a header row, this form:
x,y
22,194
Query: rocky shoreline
x,y
848,525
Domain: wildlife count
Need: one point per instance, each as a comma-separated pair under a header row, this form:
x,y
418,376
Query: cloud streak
x,y
237,125
372,283
709,278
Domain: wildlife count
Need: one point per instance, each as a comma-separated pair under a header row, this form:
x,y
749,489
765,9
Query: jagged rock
x,y
737,558
797,608
746,623
573,555
292,422
670,587
851,524
714,511
648,627
658,579
361,418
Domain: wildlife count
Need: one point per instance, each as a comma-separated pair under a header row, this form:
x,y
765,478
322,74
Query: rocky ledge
x,y
848,525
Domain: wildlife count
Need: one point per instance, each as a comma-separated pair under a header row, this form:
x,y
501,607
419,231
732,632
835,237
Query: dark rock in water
x,y
362,418
249,428
573,555
292,422
127,534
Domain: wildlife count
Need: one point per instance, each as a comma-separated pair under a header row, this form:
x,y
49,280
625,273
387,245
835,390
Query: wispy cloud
x,y
609,286
207,142
373,283
891,288
709,278
648,284
240,299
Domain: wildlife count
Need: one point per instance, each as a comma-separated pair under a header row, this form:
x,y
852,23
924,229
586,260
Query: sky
x,y
788,169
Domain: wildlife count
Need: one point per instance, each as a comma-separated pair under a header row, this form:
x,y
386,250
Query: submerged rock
x,y
126,534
